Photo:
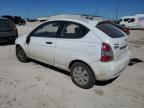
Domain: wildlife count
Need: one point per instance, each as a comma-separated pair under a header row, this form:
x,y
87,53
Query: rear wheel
x,y
82,75
21,54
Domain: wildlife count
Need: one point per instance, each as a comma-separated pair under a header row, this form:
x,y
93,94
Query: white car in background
x,y
90,51
133,22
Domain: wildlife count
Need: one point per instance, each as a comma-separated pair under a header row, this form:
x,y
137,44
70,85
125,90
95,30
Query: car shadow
x,y
98,83
103,83
133,61
52,67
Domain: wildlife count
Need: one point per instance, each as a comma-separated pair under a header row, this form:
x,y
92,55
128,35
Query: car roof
x,y
94,23
3,18
91,22
126,17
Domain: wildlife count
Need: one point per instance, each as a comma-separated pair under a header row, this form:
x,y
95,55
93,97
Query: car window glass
x,y
110,30
120,20
132,20
47,30
126,19
5,25
73,31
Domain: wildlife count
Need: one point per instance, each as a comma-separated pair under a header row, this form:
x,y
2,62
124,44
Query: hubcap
x,y
81,75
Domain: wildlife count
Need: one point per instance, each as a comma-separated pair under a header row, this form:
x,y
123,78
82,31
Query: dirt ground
x,y
34,85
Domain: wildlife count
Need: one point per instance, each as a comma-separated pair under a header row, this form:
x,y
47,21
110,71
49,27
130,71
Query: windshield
x,y
110,30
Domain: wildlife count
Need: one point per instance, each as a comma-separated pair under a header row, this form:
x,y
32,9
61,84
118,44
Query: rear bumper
x,y
110,70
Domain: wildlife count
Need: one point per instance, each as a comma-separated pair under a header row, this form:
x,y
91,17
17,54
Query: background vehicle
x,y
121,27
89,50
31,19
8,17
133,22
124,20
15,19
8,30
19,20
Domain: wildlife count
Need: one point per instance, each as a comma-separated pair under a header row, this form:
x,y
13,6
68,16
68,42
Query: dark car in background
x,y
121,27
8,30
9,17
31,19
19,20
16,19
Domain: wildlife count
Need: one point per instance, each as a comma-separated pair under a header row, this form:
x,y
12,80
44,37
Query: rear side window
x,y
73,31
5,24
110,30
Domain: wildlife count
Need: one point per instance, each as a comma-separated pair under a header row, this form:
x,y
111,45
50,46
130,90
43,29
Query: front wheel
x,y
82,75
21,54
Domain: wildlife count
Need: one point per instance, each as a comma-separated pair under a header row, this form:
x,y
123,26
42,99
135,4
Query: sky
x,y
40,8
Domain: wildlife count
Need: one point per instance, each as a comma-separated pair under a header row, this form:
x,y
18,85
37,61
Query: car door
x,y
125,21
132,23
70,44
141,21
42,42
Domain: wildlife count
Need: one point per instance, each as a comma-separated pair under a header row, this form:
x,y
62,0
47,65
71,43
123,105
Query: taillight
x,y
126,30
106,53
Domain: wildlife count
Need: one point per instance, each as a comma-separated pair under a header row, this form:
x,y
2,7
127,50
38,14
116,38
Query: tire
x,y
21,55
82,75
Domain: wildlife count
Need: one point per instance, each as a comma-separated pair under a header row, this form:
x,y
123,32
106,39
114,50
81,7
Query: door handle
x,y
49,43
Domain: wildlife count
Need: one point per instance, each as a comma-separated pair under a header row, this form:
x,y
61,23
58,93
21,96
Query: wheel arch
x,y
92,72
74,61
18,45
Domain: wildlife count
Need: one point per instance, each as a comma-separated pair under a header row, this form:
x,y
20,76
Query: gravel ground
x,y
34,85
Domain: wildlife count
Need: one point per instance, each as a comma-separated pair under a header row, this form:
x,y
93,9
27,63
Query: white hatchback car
x,y
90,51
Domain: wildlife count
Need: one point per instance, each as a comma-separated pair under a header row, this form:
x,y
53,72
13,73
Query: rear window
x,y
110,30
5,24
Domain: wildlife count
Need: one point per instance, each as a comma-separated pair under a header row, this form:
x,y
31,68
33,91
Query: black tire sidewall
x,y
90,73
18,49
